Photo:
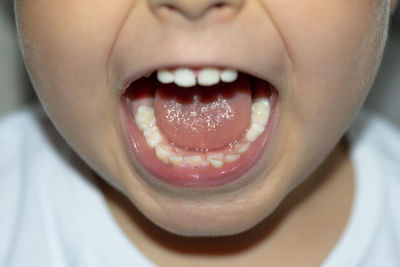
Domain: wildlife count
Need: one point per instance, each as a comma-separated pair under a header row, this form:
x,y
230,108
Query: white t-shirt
x,y
51,214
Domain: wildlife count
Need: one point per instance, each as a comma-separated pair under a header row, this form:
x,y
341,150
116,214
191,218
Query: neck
x,y
301,232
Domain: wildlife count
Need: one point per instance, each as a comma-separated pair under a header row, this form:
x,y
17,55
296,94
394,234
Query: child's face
x,y
321,56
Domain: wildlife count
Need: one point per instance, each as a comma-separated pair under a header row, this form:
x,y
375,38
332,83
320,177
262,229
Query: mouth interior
x,y
200,125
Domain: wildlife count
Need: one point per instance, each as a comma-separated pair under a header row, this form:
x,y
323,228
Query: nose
x,y
194,9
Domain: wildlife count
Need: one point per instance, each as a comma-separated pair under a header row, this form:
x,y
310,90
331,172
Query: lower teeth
x,y
169,155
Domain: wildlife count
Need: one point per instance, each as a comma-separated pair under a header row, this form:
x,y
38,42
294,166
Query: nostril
x,y
170,7
223,4
193,9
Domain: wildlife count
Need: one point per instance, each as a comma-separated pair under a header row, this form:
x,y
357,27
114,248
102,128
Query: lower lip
x,y
198,177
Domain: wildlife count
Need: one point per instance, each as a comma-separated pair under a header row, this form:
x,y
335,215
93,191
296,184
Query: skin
x,y
321,55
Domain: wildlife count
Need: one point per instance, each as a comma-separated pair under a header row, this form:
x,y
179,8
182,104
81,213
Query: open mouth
x,y
198,127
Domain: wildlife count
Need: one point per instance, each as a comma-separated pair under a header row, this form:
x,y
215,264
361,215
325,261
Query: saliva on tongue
x,y
203,118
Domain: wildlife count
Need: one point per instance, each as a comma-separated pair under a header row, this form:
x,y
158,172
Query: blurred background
x,y
16,90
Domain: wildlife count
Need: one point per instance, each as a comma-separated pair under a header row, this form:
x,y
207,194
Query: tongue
x,y
203,118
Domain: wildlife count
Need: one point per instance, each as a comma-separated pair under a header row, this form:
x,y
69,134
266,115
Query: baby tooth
x,y
193,160
241,148
215,163
216,160
218,156
149,131
254,131
185,77
260,112
175,160
228,75
165,76
232,158
153,137
262,103
260,118
144,117
162,153
208,77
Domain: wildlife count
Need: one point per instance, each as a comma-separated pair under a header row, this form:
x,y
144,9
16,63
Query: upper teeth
x,y
185,77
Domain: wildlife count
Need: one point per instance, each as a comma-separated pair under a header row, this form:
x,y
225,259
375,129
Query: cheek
x,y
335,47
66,45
